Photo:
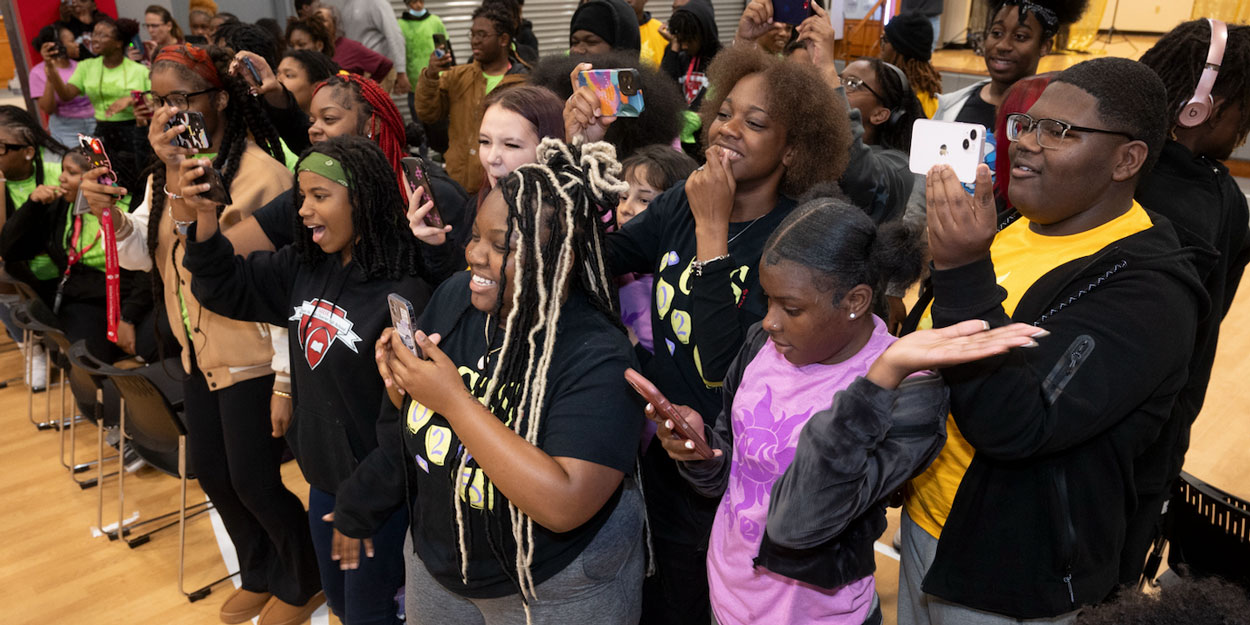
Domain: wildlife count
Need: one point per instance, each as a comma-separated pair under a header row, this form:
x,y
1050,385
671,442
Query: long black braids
x,y
557,207
384,246
242,118
1180,56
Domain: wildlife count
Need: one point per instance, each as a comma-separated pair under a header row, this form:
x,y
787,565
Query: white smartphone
x,y
960,145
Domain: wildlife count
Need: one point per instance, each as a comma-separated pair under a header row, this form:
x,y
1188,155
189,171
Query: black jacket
x,y
335,314
1038,522
827,509
679,64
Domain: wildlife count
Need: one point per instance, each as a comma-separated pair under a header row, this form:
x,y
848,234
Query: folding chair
x,y
39,325
151,421
1207,532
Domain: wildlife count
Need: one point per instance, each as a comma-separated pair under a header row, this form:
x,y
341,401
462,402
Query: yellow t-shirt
x,y
653,43
928,102
1021,257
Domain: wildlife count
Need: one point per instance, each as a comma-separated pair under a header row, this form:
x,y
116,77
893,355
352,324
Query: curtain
x,y
1232,11
1084,32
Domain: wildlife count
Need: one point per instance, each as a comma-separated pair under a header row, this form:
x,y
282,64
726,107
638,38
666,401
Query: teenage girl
x,y
832,467
651,170
287,90
330,289
66,118
523,504
108,81
229,377
29,158
770,136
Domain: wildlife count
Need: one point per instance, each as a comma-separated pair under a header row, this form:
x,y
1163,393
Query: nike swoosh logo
x,y
1003,278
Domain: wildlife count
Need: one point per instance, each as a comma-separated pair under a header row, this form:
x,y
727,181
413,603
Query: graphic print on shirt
x,y
673,301
472,484
764,446
321,323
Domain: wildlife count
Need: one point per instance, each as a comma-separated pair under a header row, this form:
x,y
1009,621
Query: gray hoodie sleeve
x,y
877,179
853,455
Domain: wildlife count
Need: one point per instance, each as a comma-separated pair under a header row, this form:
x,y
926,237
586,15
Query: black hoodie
x,y
335,314
612,20
686,68
1037,525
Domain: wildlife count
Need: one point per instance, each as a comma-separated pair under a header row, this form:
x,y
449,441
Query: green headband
x,y
323,165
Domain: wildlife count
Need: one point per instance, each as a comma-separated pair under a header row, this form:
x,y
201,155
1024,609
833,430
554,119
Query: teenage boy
x,y
1194,190
419,27
1030,495
649,32
456,93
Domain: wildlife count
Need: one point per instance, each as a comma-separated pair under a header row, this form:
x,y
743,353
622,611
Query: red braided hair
x,y
385,125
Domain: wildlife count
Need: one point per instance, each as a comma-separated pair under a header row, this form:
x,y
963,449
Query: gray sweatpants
x,y
603,585
917,608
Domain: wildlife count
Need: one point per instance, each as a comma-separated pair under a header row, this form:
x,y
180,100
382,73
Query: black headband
x,y
1048,18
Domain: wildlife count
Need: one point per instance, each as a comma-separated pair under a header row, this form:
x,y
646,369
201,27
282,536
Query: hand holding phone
x,y
666,410
417,175
403,319
960,145
791,12
195,134
619,90
97,157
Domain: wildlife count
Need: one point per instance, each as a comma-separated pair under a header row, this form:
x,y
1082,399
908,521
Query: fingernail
x,y
689,444
985,324
1031,343
1040,333
668,423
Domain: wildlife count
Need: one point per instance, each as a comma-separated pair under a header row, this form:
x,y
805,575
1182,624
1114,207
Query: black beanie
x,y
612,20
912,35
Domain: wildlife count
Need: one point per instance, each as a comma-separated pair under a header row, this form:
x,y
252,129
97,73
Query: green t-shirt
x,y
419,40
492,81
104,86
94,257
19,192
289,158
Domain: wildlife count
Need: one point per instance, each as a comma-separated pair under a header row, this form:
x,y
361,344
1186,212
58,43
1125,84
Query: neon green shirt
x,y
19,191
492,81
104,86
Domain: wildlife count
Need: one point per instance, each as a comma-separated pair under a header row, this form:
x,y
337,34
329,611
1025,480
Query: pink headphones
x,y
1198,108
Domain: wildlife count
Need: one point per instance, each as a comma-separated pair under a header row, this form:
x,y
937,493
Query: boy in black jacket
x,y
1194,190
1031,493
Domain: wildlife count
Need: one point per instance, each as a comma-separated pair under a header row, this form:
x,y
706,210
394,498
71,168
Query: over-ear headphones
x,y
1198,108
897,112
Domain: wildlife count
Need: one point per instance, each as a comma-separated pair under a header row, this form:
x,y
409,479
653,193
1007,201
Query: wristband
x,y
282,394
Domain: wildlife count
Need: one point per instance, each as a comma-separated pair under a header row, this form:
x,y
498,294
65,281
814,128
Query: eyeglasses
x,y
475,35
854,83
176,100
6,147
1050,132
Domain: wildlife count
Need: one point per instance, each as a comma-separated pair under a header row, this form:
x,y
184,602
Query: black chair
x,y
1207,533
39,325
150,420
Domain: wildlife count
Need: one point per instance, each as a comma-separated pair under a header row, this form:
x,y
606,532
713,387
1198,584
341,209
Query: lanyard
x,y
112,273
689,87
74,255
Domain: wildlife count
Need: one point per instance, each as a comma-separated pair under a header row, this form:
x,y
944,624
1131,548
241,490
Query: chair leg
x,y
204,591
48,423
28,342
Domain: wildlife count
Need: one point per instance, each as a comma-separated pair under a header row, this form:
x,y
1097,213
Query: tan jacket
x,y
457,96
227,351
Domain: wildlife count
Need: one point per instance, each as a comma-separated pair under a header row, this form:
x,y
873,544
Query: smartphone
x,y
665,409
217,191
251,72
417,176
97,157
195,136
403,318
958,144
619,90
80,204
61,52
442,47
791,11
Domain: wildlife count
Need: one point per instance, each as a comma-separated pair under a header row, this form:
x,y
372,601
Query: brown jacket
x,y
457,96
227,351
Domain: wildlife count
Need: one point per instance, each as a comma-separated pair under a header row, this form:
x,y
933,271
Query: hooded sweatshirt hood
x,y
705,15
612,20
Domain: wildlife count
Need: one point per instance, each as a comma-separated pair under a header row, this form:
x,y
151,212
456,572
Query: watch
x,y
180,227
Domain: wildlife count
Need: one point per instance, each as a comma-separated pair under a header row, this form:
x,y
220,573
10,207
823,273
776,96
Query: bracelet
x,y
123,225
282,394
696,266
172,196
180,227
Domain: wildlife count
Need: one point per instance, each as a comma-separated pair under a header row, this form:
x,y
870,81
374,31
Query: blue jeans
x,y
363,596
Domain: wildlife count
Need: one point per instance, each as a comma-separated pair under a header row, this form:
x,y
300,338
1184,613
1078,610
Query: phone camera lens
x,y
967,144
973,135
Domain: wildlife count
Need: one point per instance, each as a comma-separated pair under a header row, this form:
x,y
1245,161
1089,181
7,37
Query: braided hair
x,y
31,132
1180,55
895,133
557,208
377,117
923,76
241,36
383,247
242,116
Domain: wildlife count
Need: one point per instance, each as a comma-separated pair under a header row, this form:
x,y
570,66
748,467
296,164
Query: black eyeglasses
x,y
177,100
854,83
5,147
1050,132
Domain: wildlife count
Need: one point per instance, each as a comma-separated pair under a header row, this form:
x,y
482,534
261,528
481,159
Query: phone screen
x,y
791,11
97,157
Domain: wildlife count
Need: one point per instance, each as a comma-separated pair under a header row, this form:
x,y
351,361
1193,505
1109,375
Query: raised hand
x,y
583,114
961,343
418,207
961,227
756,21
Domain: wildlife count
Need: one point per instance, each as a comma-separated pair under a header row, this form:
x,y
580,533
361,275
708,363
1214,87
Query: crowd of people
x,y
745,242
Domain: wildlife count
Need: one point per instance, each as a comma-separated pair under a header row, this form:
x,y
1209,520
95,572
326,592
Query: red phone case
x,y
666,409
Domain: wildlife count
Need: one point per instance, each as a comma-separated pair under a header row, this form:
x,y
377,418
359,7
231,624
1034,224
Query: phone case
x,y
960,145
251,70
416,175
217,191
791,11
619,90
402,319
665,408
195,137
97,157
